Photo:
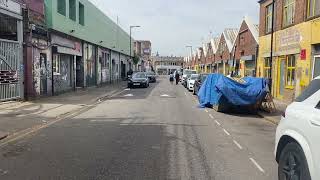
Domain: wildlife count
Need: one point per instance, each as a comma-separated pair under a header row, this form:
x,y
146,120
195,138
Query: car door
x,y
315,136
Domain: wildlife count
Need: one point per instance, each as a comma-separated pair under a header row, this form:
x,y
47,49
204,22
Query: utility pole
x,y
131,27
271,50
191,50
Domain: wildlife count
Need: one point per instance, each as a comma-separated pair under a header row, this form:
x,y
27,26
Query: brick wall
x,y
246,44
223,52
299,17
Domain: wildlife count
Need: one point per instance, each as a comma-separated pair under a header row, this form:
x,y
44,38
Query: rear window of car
x,y
313,87
139,75
203,77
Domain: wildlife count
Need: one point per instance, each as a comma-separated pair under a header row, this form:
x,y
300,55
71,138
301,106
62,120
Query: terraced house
x,y
224,55
295,49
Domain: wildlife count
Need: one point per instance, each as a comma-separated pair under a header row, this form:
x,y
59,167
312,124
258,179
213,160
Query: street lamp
x,y
131,27
190,51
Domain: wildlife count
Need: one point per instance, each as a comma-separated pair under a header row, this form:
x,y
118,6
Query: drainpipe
x,y
255,60
272,33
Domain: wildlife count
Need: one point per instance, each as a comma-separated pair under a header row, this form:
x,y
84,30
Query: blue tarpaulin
x,y
218,89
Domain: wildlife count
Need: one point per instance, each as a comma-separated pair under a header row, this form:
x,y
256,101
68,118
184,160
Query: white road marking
x,y
211,116
206,110
128,89
225,131
257,165
185,93
128,95
217,123
102,120
165,95
237,144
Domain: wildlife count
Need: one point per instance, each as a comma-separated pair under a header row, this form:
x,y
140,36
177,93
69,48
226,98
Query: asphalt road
x,y
153,133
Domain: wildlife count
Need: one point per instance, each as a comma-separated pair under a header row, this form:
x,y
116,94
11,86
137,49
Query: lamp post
x,y
191,53
131,27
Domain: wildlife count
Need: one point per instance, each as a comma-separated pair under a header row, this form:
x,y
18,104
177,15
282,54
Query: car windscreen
x,y
194,77
313,87
139,75
151,74
203,78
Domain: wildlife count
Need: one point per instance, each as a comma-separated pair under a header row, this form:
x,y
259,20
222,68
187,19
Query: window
x,y
267,67
72,10
288,12
81,14
290,71
8,28
56,64
269,18
61,7
313,8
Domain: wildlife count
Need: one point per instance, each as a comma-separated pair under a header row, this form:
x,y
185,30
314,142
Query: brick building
x,y
296,45
223,57
246,48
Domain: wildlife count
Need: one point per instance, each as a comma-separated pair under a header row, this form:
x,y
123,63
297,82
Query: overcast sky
x,y
172,24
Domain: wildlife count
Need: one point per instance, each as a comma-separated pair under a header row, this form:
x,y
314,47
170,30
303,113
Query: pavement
x,y
19,117
274,117
156,133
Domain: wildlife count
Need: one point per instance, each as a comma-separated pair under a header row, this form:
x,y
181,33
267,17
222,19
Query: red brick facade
x,y
245,42
222,52
299,17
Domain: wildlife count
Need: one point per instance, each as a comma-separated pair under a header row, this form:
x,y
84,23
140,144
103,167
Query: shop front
x,y
11,59
247,66
90,65
293,63
104,65
67,64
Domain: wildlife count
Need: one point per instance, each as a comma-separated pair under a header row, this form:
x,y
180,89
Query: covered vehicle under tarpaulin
x,y
228,94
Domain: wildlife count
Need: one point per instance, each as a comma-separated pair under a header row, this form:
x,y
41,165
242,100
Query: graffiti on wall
x,y
63,80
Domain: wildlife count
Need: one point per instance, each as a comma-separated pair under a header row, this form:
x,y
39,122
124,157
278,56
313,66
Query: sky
x,y
171,25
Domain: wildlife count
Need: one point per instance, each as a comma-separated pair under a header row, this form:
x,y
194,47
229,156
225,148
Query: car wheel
x,y
293,164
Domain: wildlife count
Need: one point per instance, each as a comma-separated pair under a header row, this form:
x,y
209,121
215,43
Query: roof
x,y
214,44
254,28
230,35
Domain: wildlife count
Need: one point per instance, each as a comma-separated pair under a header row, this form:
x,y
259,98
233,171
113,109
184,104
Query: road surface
x,y
152,133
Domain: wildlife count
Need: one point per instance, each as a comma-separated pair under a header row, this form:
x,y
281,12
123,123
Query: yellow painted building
x,y
296,59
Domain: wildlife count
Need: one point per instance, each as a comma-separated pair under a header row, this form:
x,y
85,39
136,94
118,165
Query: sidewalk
x,y
16,117
276,116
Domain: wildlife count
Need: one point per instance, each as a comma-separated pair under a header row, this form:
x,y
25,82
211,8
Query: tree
x,y
135,59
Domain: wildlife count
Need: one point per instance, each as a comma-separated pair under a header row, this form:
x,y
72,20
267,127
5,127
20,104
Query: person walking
x,y
171,78
177,77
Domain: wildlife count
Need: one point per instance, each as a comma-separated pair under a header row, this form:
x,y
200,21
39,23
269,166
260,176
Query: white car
x,y
297,148
186,73
191,81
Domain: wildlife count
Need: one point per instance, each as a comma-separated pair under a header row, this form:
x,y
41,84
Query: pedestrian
x,y
177,77
171,78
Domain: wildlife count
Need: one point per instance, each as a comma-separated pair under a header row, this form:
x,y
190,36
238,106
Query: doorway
x,y
123,70
43,75
79,72
316,67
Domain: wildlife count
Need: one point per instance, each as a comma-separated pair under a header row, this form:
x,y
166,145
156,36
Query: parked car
x,y
186,74
152,77
297,137
198,82
139,79
191,81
